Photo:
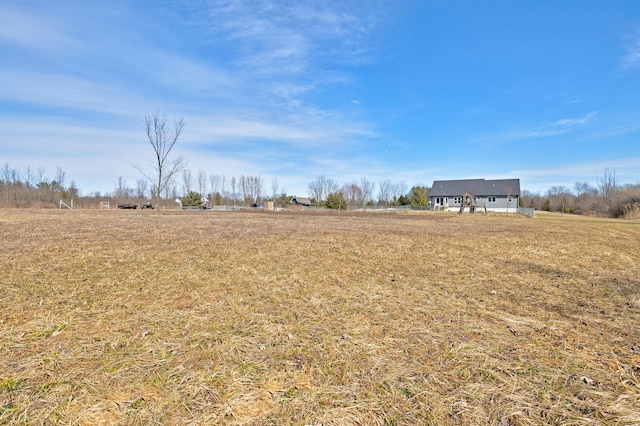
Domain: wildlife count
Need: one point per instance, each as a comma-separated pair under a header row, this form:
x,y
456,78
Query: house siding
x,y
490,194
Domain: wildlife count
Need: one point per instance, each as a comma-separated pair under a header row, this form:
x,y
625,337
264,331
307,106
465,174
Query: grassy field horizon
x,y
303,318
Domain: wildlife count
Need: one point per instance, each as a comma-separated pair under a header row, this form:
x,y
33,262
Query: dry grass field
x,y
135,318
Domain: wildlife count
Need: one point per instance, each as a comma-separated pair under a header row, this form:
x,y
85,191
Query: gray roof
x,y
301,200
478,187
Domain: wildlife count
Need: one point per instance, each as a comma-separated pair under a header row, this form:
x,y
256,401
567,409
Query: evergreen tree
x,y
419,196
192,199
336,201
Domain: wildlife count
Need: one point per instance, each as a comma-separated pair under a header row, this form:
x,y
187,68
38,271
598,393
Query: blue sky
x,y
412,91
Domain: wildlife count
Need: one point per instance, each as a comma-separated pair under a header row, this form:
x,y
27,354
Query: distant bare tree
x,y
330,186
234,187
367,189
243,187
142,186
223,186
385,191
30,177
315,189
40,174
122,191
171,192
398,190
259,189
275,185
581,188
202,182
607,188
352,194
163,138
214,188
561,199
6,172
402,188
72,191
61,176
586,196
251,188
322,187
187,181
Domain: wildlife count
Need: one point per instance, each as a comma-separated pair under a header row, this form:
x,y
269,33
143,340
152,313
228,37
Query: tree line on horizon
x,y
218,190
32,188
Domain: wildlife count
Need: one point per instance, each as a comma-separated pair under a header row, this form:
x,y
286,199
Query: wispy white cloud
x,y
33,30
57,90
285,49
301,131
631,59
271,41
66,137
545,129
292,38
575,121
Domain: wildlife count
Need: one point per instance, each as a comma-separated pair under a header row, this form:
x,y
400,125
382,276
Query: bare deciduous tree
x,y
234,186
61,176
40,174
163,138
30,177
121,190
6,172
223,186
560,198
398,190
214,187
250,188
187,181
315,189
367,189
607,187
275,185
352,194
385,190
586,197
322,187
202,182
141,188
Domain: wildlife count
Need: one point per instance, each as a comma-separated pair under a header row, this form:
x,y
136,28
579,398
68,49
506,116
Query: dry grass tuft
x,y
116,317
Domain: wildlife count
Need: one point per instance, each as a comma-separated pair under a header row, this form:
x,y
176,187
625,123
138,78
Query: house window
x,y
457,200
439,201
491,199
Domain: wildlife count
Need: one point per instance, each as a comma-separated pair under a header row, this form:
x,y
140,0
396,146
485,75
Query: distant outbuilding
x,y
300,201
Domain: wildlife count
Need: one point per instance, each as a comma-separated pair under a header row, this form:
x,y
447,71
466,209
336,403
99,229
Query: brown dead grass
x,y
115,317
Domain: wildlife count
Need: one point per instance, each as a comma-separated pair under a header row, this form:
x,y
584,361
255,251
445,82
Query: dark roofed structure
x,y
301,201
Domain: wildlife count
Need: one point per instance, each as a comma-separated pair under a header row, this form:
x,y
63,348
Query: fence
x,y
527,211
